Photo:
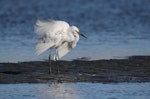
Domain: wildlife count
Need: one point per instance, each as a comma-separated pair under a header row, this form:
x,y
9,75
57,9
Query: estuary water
x,y
75,91
115,28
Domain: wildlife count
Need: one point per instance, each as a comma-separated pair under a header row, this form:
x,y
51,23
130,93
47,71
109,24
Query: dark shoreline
x,y
133,69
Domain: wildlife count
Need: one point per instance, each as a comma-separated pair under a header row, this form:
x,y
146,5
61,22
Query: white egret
x,y
58,35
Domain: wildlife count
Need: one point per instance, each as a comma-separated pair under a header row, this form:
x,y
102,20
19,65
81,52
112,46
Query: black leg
x,y
57,66
58,72
50,69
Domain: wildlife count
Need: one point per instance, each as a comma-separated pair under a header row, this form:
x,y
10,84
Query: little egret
x,y
58,35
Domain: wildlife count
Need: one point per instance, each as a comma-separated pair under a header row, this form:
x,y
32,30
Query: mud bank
x,y
133,69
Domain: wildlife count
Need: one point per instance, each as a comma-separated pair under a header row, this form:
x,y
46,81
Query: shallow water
x,y
75,91
115,29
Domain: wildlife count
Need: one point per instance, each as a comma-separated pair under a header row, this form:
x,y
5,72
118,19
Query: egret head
x,y
76,30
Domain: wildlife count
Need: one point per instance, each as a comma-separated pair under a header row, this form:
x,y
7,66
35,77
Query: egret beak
x,y
82,35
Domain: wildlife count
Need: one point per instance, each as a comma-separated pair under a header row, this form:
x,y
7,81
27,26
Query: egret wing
x,y
65,48
50,27
40,48
51,32
46,42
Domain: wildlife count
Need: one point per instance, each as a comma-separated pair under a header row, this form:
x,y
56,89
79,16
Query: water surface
x,y
75,91
115,29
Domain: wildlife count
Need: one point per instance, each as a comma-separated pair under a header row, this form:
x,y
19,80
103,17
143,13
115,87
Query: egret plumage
x,y
58,35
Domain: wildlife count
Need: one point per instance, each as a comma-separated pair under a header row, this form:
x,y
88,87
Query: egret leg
x,y
57,66
50,64
56,60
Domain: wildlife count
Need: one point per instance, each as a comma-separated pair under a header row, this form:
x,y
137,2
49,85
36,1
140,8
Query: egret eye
x,y
77,31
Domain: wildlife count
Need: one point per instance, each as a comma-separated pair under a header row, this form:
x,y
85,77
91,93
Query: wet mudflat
x,y
133,69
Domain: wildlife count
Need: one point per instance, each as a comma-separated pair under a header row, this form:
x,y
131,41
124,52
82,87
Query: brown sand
x,y
133,69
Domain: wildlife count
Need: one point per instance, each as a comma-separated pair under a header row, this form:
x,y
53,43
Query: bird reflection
x,y
59,91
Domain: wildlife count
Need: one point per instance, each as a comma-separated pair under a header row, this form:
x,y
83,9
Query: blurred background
x,y
115,28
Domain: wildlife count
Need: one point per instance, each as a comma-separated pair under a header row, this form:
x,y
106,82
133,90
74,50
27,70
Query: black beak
x,y
83,35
